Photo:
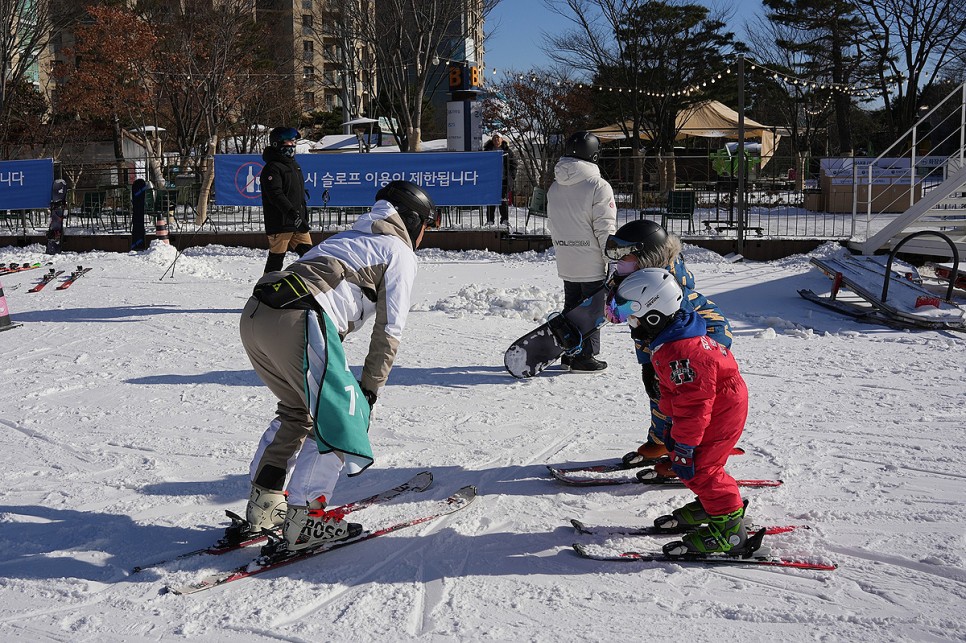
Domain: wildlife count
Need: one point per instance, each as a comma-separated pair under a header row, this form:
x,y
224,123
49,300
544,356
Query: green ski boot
x,y
722,534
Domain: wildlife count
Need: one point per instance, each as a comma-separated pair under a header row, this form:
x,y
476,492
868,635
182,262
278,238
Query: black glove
x,y
369,395
649,377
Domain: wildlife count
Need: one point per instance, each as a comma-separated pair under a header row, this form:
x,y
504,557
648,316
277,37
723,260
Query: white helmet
x,y
651,296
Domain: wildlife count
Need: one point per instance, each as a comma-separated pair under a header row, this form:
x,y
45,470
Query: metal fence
x,y
770,212
773,207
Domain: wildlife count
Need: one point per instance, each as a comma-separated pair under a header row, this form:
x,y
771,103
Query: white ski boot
x,y
266,508
310,526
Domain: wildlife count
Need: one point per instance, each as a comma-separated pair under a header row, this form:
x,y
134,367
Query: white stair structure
x,y
931,158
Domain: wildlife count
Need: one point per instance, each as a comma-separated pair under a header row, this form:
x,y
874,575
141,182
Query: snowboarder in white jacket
x,y
582,215
292,329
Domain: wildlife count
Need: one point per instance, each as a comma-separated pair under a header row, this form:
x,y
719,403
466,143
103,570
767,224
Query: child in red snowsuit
x,y
705,396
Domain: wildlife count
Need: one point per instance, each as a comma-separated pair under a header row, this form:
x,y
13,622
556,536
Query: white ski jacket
x,y
366,271
582,214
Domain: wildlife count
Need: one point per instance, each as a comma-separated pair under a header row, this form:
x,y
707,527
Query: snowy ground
x,y
130,413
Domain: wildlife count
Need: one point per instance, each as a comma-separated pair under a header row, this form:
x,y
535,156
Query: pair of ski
x,y
755,554
618,473
261,564
11,268
52,274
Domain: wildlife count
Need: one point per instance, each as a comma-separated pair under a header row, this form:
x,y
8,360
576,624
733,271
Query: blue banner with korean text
x,y
450,178
25,185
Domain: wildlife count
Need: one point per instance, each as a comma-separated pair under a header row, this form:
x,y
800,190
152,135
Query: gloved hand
x,y
667,439
649,377
682,461
369,395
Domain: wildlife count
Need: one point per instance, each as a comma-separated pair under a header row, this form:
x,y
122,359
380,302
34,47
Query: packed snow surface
x,y
129,413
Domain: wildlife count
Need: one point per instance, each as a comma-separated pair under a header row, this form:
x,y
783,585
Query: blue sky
x,y
515,32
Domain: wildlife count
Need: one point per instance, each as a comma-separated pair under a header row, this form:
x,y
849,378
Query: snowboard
x,y
58,212
138,198
561,333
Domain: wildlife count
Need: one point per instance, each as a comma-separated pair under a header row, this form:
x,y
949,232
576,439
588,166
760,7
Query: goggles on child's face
x,y
616,248
618,310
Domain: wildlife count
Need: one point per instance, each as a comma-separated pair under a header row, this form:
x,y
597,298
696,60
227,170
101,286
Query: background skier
x,y
284,199
582,215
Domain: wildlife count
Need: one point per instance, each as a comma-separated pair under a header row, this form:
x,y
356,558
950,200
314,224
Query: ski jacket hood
x,y
687,323
569,170
383,219
360,273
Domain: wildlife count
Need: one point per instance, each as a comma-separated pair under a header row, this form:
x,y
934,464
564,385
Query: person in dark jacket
x,y
284,199
496,142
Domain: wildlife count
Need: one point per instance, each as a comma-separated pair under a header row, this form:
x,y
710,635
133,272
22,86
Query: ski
x,y
419,482
651,530
694,559
46,279
459,500
74,276
757,556
618,465
16,267
593,479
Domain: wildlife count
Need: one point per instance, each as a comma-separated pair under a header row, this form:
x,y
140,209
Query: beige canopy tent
x,y
709,119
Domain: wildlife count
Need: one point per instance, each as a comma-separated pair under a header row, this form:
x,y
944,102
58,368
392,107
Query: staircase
x,y
931,197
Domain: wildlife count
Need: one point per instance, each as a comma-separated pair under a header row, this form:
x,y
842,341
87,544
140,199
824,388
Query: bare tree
x,y
407,36
537,110
916,41
25,30
651,49
341,30
208,53
807,108
106,79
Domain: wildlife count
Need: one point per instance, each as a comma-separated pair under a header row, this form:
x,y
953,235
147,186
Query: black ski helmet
x,y
584,146
412,203
635,237
281,134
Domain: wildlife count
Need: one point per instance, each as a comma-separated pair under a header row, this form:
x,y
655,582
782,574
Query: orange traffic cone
x,y
5,321
161,229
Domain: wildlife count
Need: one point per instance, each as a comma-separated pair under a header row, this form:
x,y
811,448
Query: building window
x,y
309,98
308,72
307,25
306,5
308,50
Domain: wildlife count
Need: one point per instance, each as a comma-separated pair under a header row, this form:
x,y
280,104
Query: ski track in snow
x,y
132,412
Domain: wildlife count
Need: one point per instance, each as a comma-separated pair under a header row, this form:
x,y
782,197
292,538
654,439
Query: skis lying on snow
x,y
6,269
74,276
651,530
644,476
756,557
459,500
242,537
618,465
46,279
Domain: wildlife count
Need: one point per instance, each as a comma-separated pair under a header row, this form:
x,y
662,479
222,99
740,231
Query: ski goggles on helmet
x,y
618,310
616,248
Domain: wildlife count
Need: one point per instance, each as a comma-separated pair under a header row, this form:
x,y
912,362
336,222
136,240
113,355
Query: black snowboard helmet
x,y
640,238
278,138
584,146
412,203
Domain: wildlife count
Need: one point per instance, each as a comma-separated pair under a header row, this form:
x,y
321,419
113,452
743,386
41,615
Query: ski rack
x,y
857,274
